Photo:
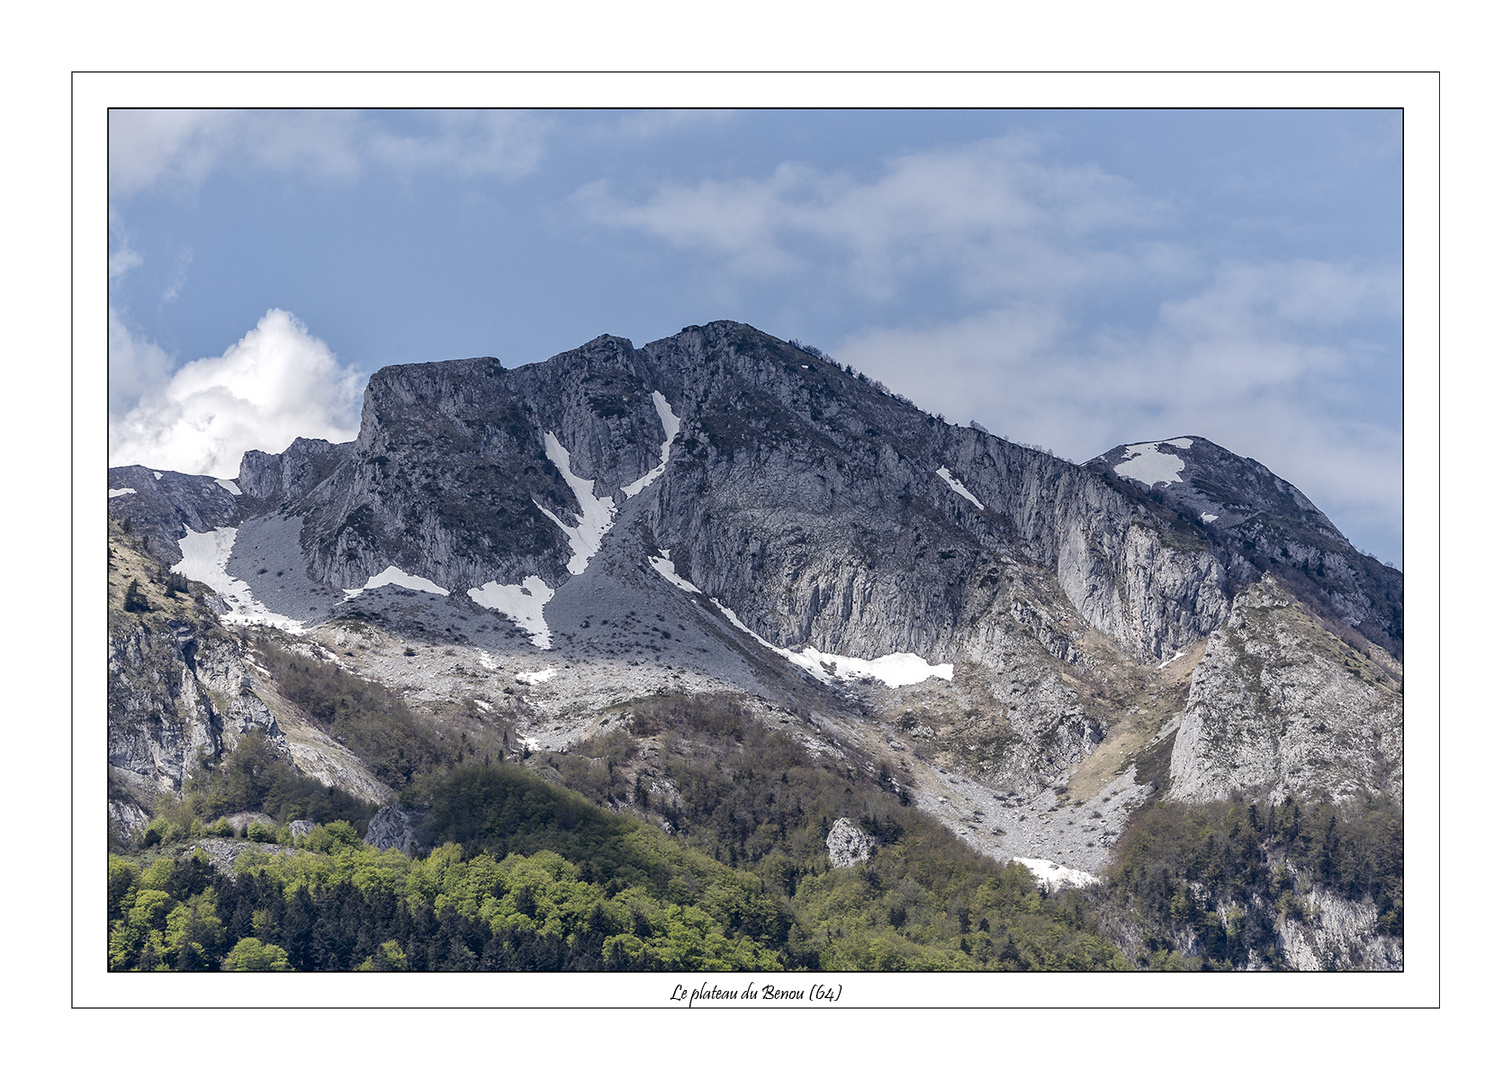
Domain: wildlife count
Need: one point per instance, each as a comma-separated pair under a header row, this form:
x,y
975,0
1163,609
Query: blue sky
x,y
1070,279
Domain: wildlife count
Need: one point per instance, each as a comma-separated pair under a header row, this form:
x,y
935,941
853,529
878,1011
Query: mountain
x,y
1028,650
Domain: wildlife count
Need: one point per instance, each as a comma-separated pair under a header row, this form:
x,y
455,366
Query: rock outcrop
x,y
1279,705
847,844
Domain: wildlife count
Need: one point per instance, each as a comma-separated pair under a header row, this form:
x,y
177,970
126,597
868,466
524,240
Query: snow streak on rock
x,y
230,485
959,488
205,557
117,492
671,425
664,567
596,518
524,605
894,669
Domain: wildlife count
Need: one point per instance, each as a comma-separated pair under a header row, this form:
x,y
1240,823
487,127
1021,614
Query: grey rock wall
x,y
1280,705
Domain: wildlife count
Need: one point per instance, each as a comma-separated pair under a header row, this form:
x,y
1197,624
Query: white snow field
x,y
116,493
959,488
671,424
524,605
230,485
1145,462
204,560
534,678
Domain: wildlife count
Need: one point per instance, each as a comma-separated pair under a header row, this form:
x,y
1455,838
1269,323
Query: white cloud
x,y
493,142
136,366
123,259
990,215
180,148
277,383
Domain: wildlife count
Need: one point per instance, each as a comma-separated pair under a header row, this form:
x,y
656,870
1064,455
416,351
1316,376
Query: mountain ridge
x,y
1029,649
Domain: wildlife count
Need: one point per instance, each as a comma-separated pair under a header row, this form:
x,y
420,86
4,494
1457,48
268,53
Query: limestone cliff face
x,y
1279,706
179,695
827,511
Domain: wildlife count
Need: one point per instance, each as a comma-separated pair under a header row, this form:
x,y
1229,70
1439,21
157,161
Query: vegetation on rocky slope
x,y
744,884
1212,885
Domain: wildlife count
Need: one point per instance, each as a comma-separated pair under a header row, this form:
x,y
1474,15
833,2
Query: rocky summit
x,y
1032,652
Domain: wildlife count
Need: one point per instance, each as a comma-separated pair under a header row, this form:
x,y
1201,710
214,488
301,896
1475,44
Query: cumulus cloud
x,y
277,383
136,366
180,148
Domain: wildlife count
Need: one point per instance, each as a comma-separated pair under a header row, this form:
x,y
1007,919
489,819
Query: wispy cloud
x,y
277,383
122,257
180,276
992,216
179,148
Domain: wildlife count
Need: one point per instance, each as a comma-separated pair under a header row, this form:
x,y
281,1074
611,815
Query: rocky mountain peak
x,y
1260,522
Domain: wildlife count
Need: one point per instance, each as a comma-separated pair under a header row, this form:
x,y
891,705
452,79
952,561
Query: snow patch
x,y
1209,518
1172,660
671,424
666,569
959,488
157,476
395,576
534,678
1055,876
205,557
230,485
894,669
1146,464
523,604
485,660
596,518
118,492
